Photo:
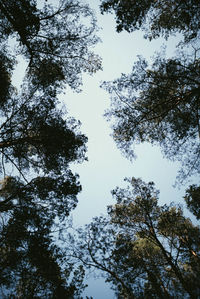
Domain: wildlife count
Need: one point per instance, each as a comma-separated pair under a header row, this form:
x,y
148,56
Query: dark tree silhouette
x,y
192,199
38,143
143,249
160,105
156,17
54,39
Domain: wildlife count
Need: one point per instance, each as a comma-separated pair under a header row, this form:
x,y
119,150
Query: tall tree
x,y
53,38
38,143
145,250
156,17
31,264
160,105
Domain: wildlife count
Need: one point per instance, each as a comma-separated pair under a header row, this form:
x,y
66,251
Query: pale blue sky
x,y
107,168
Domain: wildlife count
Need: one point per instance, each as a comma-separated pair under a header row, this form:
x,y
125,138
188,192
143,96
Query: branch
x,y
113,274
15,27
15,166
2,203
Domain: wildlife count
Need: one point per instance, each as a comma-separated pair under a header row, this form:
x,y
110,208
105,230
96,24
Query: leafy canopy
x,y
143,249
192,199
160,105
38,143
156,18
55,39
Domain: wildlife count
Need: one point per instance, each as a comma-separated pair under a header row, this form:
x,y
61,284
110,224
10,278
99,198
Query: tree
x,y
38,143
31,264
54,39
156,17
192,199
145,250
6,67
159,105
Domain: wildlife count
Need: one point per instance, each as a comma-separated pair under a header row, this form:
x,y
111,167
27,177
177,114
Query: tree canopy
x,y
55,39
160,105
144,250
38,142
159,102
156,17
192,199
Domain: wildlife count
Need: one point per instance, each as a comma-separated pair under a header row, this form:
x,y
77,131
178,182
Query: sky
x,y
106,167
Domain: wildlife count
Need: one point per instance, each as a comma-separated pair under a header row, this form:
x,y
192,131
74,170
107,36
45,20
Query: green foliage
x,y
34,135
192,199
144,250
19,16
159,105
156,17
54,39
31,265
38,142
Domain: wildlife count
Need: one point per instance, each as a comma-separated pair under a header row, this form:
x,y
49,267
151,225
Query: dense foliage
x,y
55,39
144,250
159,102
192,199
160,105
156,17
38,143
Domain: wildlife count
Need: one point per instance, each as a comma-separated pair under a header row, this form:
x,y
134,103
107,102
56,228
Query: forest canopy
x,y
38,142
159,102
156,18
143,249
